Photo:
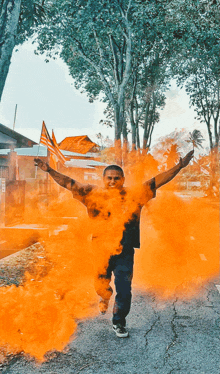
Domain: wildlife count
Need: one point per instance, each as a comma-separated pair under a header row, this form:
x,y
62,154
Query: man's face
x,y
113,179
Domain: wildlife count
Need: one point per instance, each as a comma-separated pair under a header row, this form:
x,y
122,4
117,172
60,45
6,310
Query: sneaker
x,y
120,331
103,306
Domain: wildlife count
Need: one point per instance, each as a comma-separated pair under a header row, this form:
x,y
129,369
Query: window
x,y
4,172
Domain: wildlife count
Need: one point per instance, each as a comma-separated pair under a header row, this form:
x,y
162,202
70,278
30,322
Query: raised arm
x,y
63,180
168,175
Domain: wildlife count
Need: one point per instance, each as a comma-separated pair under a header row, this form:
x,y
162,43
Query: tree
x,y
94,39
196,139
17,19
203,88
147,86
104,141
104,43
198,62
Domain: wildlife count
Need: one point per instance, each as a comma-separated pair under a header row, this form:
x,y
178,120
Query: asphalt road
x,y
176,336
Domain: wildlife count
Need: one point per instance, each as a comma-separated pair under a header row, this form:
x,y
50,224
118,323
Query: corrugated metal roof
x,y
41,151
75,154
36,150
20,140
90,164
79,144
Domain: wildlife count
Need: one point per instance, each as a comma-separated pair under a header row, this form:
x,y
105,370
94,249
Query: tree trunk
x,y
125,144
117,125
145,138
210,134
133,127
138,138
150,135
120,128
216,130
214,165
10,10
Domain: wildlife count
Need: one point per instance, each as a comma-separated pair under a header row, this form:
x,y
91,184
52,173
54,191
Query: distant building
x,y
83,166
9,140
17,155
79,144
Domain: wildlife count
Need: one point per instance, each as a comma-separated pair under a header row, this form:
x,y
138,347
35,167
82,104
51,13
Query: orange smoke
x,y
179,249
39,315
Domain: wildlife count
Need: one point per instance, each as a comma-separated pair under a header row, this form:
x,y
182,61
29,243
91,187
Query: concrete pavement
x,y
176,336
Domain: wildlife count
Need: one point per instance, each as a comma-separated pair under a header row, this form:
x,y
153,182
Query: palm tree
x,y
196,139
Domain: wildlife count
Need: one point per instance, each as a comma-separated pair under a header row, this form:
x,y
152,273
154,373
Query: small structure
x,y
12,139
9,140
12,190
81,165
79,144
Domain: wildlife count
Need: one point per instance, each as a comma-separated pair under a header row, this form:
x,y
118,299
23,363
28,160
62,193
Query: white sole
x,y
125,335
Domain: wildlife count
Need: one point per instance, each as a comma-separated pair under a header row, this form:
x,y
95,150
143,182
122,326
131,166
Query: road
x,y
175,336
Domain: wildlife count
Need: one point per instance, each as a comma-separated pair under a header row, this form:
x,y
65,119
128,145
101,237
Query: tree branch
x,y
98,70
115,70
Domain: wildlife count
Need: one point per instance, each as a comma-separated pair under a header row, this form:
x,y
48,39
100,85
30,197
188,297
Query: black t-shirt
x,y
105,205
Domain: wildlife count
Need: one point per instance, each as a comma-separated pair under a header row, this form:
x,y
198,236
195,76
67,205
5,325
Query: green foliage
x,y
18,21
197,67
32,14
110,46
196,139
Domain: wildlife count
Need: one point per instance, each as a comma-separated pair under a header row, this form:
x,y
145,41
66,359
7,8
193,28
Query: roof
x,y
11,139
76,154
90,164
79,144
41,151
36,150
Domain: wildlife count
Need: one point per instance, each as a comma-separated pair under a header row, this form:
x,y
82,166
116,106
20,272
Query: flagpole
x,y
15,116
37,156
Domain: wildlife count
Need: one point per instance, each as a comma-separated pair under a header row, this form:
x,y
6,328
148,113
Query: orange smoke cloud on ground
x,y
179,246
39,315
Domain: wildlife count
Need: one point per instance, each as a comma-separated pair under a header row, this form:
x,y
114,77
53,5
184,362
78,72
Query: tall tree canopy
x,y
17,19
198,66
125,51
111,48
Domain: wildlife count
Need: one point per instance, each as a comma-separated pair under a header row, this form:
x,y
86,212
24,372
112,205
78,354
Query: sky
x,y
45,91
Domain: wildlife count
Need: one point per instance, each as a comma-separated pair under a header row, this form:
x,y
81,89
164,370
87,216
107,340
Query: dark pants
x,y
122,267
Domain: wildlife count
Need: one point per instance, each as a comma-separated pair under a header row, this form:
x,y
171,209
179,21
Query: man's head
x,y
113,177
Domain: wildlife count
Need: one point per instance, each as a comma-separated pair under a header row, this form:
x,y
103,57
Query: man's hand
x,y
41,164
186,160
168,175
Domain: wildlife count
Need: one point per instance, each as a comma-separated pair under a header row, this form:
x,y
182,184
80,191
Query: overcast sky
x,y
45,91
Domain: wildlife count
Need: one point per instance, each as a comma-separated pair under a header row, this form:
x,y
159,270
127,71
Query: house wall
x,y
27,169
6,141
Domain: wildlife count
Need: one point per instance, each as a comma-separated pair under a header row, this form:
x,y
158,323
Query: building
x,y
12,139
82,166
79,144
9,140
17,153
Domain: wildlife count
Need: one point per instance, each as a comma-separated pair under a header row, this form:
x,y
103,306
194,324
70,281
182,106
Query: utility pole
x,y
15,116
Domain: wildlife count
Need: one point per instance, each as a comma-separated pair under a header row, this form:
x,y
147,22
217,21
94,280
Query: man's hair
x,y
113,167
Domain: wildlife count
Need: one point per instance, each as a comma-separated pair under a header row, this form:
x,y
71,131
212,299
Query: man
x,y
119,211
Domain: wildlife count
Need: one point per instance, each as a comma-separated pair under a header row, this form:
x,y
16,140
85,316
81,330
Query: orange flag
x,y
52,146
59,154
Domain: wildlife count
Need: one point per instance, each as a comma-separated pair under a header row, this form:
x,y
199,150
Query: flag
x,y
53,162
46,140
60,156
